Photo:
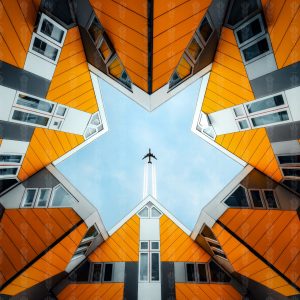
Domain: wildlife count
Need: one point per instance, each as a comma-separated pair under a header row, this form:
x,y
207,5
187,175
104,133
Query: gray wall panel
x,y
42,179
131,281
167,281
83,11
277,81
217,11
16,132
22,80
284,132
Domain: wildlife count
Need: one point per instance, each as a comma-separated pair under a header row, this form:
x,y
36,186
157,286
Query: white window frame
x,y
239,106
30,112
269,113
239,126
91,272
140,254
45,17
212,27
34,199
247,197
265,36
34,35
10,175
289,167
63,106
150,266
142,250
287,164
150,213
154,250
142,217
275,197
259,17
98,128
34,109
38,195
12,163
261,197
53,194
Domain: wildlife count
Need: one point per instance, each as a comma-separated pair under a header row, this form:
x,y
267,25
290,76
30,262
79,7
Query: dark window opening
x,y
95,30
45,49
92,232
294,185
270,198
190,272
97,272
6,184
289,159
240,10
291,172
220,254
217,274
256,49
205,29
238,198
214,245
256,199
206,232
108,271
249,31
194,49
52,31
82,273
202,273
183,70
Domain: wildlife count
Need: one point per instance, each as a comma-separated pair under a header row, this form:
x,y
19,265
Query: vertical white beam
x,y
154,192
145,188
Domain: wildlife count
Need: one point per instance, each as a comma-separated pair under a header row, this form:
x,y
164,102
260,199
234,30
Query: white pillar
x,y
154,192
145,188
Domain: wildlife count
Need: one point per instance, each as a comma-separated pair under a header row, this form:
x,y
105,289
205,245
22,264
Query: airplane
x,y
149,155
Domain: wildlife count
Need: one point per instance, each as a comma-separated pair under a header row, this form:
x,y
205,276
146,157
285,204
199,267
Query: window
x,y
204,125
194,49
217,274
8,171
239,111
91,233
271,118
45,49
182,71
155,213
238,198
291,172
294,185
249,31
105,50
61,111
144,213
149,264
270,199
43,197
202,273
117,71
94,126
265,104
10,158
243,124
6,184
29,197
256,198
95,30
256,49
205,30
33,103
60,197
289,159
30,118
190,273
51,30
96,275
108,272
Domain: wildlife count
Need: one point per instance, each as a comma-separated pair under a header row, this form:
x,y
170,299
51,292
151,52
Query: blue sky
x,y
109,171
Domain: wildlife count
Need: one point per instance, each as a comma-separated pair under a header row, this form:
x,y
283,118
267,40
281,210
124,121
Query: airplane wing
x,y
154,156
145,156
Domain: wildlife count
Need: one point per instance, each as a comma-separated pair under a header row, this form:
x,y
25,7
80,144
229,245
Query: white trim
x,y
10,176
148,266
38,195
150,102
97,91
34,198
3,163
141,205
45,17
216,207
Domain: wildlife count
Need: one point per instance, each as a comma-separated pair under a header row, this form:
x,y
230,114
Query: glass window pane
x,y
95,30
217,274
202,273
45,49
190,272
97,272
194,49
144,212
52,31
265,104
256,199
61,111
184,69
270,198
209,131
29,118
238,198
243,124
31,102
155,212
144,266
108,271
11,158
289,159
92,232
8,171
154,245
293,185
81,274
205,29
256,49
117,70
29,197
270,118
144,246
61,197
43,197
155,266
105,50
249,31
239,111
291,172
